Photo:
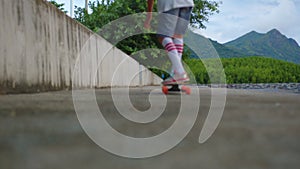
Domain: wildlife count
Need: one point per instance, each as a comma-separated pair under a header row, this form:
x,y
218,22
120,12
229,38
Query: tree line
x,y
104,12
237,70
248,70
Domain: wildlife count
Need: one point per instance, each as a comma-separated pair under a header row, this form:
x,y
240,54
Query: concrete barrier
x,y
40,45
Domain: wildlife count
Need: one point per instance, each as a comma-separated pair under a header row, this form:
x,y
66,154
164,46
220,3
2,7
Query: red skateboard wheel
x,y
165,90
186,89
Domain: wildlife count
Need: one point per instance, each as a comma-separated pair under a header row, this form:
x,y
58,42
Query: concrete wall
x,y
40,45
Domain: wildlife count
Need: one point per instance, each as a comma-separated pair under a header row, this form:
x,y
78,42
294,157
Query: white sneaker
x,y
176,79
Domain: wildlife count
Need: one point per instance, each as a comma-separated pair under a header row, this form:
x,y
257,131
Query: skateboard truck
x,y
176,88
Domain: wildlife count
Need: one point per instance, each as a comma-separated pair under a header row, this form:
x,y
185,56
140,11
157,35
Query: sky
x,y
238,17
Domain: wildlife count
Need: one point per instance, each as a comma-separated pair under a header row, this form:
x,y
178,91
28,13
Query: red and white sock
x,y
179,46
173,55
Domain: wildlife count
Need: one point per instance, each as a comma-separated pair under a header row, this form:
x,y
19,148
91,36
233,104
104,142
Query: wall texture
x,y
41,48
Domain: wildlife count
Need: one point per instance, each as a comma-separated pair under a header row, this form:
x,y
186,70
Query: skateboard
x,y
176,88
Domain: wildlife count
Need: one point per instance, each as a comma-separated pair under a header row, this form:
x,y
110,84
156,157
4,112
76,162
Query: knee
x,y
162,38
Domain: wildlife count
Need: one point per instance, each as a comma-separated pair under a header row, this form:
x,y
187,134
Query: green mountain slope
x,y
272,44
208,48
227,52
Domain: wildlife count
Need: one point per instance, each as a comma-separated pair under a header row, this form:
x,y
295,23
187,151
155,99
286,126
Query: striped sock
x,y
179,46
173,55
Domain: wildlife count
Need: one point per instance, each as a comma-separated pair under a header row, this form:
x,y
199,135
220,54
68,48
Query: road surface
x,y
258,130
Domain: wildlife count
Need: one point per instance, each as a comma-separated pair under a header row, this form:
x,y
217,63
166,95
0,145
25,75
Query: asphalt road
x,y
258,130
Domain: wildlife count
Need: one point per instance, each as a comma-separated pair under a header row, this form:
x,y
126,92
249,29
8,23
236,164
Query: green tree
x,y
106,11
250,70
59,6
202,10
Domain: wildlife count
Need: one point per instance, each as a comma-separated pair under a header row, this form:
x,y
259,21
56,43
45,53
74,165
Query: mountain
x,y
273,44
226,52
208,48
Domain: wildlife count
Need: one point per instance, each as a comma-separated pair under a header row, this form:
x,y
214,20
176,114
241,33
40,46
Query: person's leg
x,y
181,28
178,41
178,74
171,49
166,30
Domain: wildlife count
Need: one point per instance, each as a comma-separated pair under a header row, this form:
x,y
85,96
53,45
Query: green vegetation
x,y
106,11
59,6
272,44
238,66
248,70
226,52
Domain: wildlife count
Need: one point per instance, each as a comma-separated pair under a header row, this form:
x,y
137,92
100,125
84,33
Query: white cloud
x,y
283,15
238,17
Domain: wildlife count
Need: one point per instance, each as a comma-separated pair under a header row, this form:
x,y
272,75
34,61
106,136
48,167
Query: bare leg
x,y
178,36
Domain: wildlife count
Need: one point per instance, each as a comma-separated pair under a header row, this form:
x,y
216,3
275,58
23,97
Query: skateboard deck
x,y
174,88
